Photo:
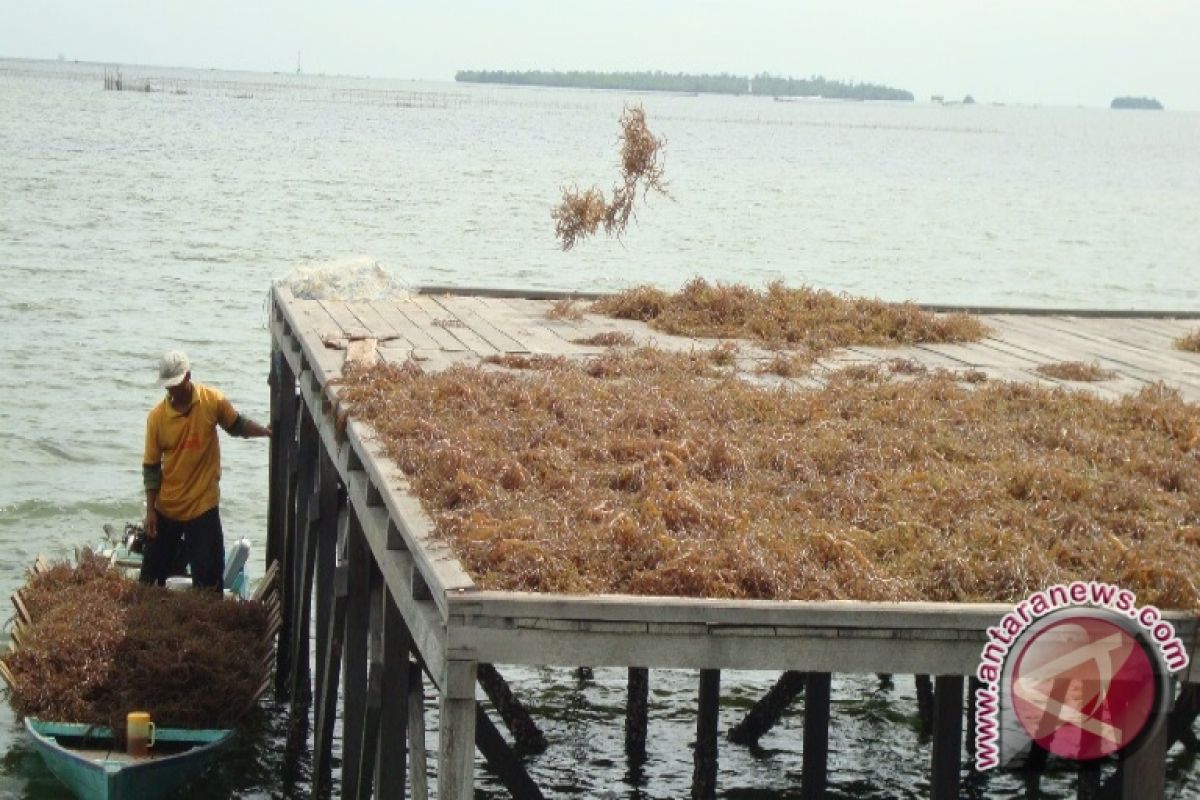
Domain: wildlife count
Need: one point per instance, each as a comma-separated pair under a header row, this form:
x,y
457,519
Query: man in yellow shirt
x,y
181,469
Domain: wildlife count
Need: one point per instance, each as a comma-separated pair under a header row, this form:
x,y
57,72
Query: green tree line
x,y
724,83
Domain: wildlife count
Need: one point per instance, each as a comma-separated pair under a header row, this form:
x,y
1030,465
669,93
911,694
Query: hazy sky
x,y
1064,52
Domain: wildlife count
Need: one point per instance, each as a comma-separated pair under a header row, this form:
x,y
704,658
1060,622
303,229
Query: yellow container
x,y
139,733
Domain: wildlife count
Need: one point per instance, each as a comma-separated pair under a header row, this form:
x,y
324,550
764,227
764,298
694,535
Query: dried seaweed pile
x,y
811,319
1076,371
651,473
581,213
98,645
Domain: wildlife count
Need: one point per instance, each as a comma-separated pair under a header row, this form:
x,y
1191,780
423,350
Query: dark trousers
x,y
200,540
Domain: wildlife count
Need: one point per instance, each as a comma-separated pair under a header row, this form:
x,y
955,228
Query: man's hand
x,y
151,523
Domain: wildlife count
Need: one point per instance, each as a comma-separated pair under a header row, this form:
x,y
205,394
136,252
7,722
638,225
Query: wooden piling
x,y
355,666
281,498
418,767
768,710
394,691
331,648
502,760
456,732
308,511
1142,773
525,732
705,755
636,713
1087,785
815,776
946,762
924,703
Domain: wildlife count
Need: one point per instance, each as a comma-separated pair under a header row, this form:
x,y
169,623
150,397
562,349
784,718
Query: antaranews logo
x,y
1079,670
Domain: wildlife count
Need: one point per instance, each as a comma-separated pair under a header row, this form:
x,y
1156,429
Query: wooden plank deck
x,y
457,621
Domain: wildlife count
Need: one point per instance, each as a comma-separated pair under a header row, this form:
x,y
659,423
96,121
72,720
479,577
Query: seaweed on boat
x,y
98,645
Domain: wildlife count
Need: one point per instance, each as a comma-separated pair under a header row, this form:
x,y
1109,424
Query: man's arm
x,y
151,524
151,475
248,428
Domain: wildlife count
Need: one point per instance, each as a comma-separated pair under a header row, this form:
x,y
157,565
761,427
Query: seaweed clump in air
x,y
97,645
641,471
582,211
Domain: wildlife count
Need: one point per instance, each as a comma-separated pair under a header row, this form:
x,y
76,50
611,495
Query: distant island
x,y
761,84
1137,102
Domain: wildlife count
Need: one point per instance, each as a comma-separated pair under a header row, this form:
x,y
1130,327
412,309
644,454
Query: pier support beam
x,y
527,736
281,499
501,759
330,648
704,757
768,710
924,703
815,776
394,691
1142,775
304,538
636,713
456,733
947,737
354,669
418,764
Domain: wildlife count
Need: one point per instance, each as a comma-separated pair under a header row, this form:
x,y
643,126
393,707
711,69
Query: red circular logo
x,y
1083,687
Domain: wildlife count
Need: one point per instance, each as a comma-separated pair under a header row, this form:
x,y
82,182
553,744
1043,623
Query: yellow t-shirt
x,y
185,443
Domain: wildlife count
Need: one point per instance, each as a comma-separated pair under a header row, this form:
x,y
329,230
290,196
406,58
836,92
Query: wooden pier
x,y
392,606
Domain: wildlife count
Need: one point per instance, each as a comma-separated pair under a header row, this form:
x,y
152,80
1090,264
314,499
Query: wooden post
x,y
283,489
456,732
947,737
354,670
331,647
636,708
394,691
1087,786
418,766
275,458
815,776
924,703
1143,773
501,759
329,502
704,756
1183,717
369,735
767,711
973,687
526,735
308,453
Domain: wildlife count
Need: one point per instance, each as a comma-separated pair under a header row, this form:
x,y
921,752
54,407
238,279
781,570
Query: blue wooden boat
x,y
86,760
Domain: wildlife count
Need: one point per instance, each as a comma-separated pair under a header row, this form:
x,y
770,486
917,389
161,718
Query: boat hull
x,y
99,774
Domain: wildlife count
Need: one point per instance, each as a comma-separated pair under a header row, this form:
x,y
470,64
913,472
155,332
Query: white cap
x,y
173,367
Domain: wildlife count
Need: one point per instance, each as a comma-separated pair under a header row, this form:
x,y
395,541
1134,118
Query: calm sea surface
x,y
133,222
